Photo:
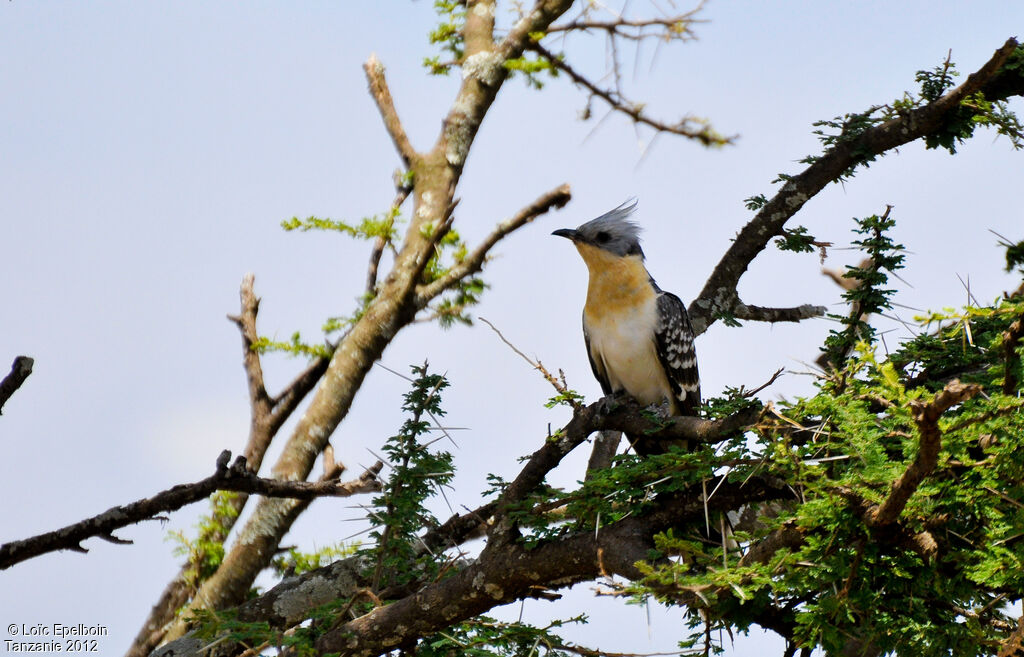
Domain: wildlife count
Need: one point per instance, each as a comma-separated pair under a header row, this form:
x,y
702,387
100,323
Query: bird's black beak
x,y
569,233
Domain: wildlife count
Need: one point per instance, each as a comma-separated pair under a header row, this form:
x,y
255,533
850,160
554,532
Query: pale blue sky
x,y
149,151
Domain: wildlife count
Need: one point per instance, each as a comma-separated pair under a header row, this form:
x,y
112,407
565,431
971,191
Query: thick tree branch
x,y
926,416
512,572
719,293
474,262
236,477
386,106
478,34
20,370
689,127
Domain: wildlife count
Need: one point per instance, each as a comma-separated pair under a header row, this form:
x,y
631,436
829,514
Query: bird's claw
x,y
661,409
612,401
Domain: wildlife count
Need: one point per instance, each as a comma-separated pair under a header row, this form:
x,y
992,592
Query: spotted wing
x,y
674,346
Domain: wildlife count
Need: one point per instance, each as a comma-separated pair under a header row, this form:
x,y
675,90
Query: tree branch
x,y
474,262
512,572
719,291
478,34
677,27
689,127
1011,339
926,416
386,106
20,370
772,315
236,477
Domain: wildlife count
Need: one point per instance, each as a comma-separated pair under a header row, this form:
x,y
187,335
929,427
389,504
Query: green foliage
x,y
755,202
532,67
205,552
935,82
569,398
294,347
869,296
974,111
796,240
367,228
448,35
296,562
453,306
417,473
840,450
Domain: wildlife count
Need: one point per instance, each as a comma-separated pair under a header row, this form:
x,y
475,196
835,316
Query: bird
x,y
638,337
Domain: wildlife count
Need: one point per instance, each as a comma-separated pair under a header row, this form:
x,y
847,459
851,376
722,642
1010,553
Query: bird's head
x,y
610,234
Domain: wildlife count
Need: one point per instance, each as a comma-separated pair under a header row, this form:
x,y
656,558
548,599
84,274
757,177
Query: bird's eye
x,y
603,237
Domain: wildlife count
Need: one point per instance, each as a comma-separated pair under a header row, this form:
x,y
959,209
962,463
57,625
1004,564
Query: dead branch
x,y
380,242
926,416
688,127
20,370
236,477
559,386
718,297
386,106
266,415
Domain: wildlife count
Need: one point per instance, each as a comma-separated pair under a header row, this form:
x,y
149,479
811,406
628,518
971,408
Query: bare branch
x,y
719,291
236,477
772,315
926,416
559,386
689,127
246,322
380,242
267,415
474,262
386,106
20,370
670,27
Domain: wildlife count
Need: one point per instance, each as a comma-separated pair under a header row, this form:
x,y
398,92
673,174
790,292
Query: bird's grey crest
x,y
612,231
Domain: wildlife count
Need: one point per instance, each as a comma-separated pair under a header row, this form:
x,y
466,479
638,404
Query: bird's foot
x,y
612,401
662,410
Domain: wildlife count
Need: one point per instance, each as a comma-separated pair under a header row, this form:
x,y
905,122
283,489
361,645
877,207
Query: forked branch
x,y
718,298
926,416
